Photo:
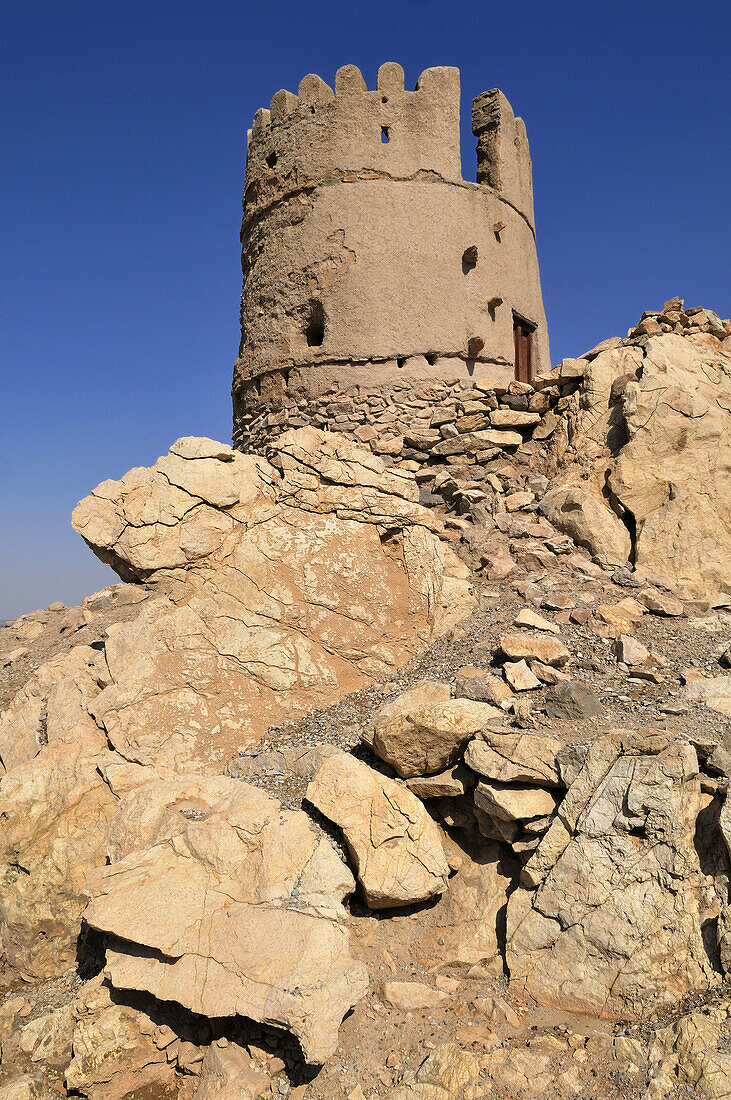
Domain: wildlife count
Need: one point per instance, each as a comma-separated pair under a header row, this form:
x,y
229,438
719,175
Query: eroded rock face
x,y
613,924
229,906
395,845
55,812
648,469
276,593
673,474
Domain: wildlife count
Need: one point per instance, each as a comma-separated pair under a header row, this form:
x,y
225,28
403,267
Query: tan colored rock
x,y
678,416
514,801
520,677
533,621
229,1073
455,781
394,844
534,647
628,650
610,918
473,442
424,730
117,1050
512,418
48,1038
449,1073
686,1056
516,757
482,686
55,812
589,522
232,907
276,594
25,1087
461,929
52,703
412,996
713,691
658,603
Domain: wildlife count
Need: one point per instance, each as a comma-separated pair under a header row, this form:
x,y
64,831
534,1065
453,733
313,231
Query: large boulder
x,y
423,731
590,522
610,917
394,843
672,476
649,433
228,904
276,592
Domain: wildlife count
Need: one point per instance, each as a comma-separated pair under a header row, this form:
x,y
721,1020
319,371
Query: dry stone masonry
x,y
353,316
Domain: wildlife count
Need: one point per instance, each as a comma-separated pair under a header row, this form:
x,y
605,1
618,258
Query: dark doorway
x,y
523,338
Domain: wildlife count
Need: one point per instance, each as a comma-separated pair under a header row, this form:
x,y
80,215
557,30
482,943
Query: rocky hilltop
x,y
396,765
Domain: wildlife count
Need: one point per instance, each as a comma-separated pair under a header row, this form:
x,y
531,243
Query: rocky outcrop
x,y
610,918
277,590
645,457
228,904
394,844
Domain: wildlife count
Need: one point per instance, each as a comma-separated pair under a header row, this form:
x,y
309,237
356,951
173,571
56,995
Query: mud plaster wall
x,y
356,225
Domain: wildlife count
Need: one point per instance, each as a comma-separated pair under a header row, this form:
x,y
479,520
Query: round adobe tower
x,y
371,268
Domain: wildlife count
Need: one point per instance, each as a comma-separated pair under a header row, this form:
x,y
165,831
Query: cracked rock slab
x,y
614,924
394,844
276,591
230,906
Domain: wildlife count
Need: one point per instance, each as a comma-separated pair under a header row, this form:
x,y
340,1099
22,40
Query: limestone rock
x,y
534,647
713,691
482,686
424,730
572,702
231,906
516,758
514,801
55,812
274,593
520,677
672,475
462,928
613,924
117,1050
451,783
25,1087
394,844
229,1073
53,702
528,618
686,1055
589,522
449,1073
412,996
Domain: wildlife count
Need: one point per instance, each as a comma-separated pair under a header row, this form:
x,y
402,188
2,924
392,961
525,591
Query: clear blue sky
x,y
123,140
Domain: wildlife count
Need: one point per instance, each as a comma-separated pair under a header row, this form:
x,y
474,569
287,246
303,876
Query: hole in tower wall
x,y
315,327
385,134
272,159
469,258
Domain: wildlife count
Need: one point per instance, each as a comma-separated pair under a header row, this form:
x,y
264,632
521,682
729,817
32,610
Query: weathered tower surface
x,y
370,266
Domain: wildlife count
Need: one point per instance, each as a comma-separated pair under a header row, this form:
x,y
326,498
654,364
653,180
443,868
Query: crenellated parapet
x,y
322,133
368,260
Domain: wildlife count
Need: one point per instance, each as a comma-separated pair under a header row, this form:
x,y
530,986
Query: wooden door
x,y
523,339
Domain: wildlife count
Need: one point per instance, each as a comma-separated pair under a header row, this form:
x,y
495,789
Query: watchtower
x,y
369,264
